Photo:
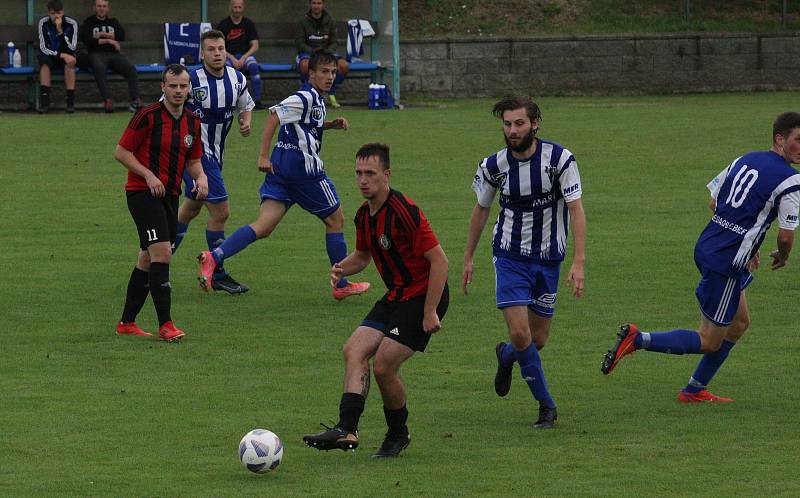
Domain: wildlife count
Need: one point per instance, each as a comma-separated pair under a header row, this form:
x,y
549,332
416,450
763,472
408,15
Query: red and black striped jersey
x,y
163,144
397,236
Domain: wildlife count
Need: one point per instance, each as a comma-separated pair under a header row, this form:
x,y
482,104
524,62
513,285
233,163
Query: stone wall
x,y
619,64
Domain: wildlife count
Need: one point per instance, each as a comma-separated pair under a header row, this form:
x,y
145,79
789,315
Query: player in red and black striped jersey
x,y
394,233
158,144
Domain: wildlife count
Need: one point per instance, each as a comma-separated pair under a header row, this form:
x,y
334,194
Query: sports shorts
x,y
318,197
402,321
156,219
52,61
530,284
216,186
719,294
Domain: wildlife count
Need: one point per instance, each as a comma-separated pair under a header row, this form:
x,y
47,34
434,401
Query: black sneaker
x,y
502,379
229,285
392,445
70,108
547,418
332,439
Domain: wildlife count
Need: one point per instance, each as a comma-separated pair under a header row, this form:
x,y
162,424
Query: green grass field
x,y
85,413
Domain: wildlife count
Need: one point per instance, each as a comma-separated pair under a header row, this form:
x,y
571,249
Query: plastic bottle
x,y
183,62
373,96
10,58
17,59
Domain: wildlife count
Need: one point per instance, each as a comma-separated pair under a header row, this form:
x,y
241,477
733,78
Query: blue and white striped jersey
x,y
533,222
216,101
296,155
750,193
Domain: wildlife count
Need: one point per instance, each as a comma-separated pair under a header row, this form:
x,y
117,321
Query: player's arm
x,y
436,282
476,224
781,254
195,169
250,51
129,160
355,262
337,124
577,222
245,118
272,123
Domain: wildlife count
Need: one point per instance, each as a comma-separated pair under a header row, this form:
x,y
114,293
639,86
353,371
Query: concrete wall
x,y
625,64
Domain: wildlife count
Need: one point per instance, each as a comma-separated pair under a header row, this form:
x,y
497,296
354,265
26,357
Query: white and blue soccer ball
x,y
260,451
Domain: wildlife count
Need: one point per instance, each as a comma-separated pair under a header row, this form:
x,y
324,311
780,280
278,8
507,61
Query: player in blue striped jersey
x,y
540,200
295,174
752,192
218,93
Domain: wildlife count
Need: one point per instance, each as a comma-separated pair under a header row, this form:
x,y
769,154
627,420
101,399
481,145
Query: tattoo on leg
x,y
365,378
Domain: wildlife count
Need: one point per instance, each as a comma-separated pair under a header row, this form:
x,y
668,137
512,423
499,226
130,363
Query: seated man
x,y
318,31
58,38
241,42
102,36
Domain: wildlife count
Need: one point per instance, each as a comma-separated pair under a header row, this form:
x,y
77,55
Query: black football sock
x,y
350,408
396,420
138,288
44,95
70,98
161,291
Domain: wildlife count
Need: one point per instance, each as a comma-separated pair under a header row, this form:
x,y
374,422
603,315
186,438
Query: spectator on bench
x,y
241,42
58,37
318,31
102,36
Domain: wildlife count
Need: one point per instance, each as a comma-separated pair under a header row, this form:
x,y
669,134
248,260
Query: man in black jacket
x,y
58,37
102,36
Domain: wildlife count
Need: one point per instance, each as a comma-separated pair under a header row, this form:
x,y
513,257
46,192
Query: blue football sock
x,y
507,354
530,365
336,82
678,341
708,367
337,251
214,239
241,238
255,81
180,234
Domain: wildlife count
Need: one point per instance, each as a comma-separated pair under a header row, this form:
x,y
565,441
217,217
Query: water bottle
x,y
10,57
381,96
182,62
373,96
17,59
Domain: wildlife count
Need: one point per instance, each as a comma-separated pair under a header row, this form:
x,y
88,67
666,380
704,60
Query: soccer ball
x,y
260,451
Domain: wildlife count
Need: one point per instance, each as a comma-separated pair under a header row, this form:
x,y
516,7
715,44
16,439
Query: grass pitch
x,y
86,413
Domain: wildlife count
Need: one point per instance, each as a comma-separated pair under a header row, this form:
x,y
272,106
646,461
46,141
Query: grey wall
x,y
601,65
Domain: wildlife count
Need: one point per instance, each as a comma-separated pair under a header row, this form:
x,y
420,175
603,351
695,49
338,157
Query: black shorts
x,y
402,321
156,219
51,61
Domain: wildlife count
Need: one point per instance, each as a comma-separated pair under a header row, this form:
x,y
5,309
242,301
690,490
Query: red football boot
x,y
169,332
624,346
130,328
701,397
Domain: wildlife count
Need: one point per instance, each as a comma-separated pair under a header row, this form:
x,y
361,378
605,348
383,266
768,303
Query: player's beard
x,y
524,145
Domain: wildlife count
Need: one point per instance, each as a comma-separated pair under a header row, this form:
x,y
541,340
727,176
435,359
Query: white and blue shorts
x,y
216,186
317,196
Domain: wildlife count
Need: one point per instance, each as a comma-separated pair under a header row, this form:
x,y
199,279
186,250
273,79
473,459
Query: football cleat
x,y
622,347
547,418
169,332
701,397
334,438
502,378
392,445
130,328
205,275
229,285
351,289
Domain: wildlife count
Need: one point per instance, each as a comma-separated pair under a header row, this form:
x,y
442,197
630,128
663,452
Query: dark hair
x,y
514,103
785,123
174,70
211,34
381,151
321,56
55,5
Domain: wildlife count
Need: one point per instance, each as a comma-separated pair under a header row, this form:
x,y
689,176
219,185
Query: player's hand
x,y
778,261
68,59
431,323
201,188
575,279
754,262
264,165
337,272
238,63
113,43
154,184
244,128
466,276
340,124
57,21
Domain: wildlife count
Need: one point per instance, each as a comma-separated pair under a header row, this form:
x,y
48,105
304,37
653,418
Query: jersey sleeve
x,y
422,237
715,184
291,110
483,186
361,237
196,152
569,178
135,133
788,210
245,102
